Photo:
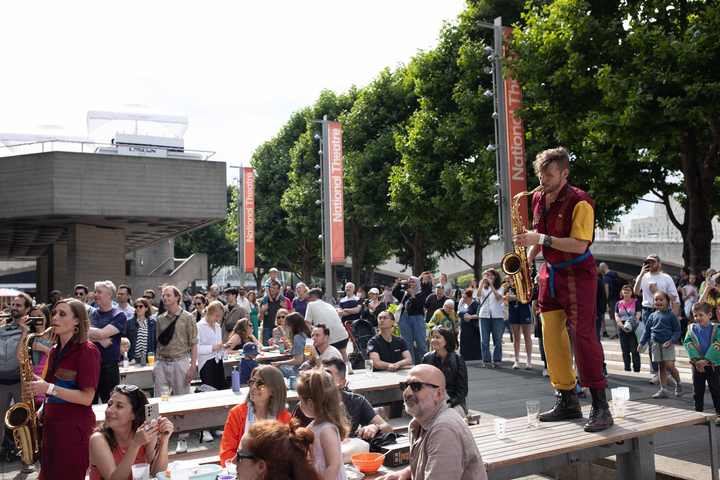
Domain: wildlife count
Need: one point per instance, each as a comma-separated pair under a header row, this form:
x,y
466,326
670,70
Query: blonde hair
x,y
124,341
176,292
215,307
282,310
274,380
319,386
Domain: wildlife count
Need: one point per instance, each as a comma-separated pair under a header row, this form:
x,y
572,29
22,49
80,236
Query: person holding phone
x,y
38,321
129,436
711,295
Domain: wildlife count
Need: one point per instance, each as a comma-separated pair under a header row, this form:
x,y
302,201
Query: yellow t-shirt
x,y
583,222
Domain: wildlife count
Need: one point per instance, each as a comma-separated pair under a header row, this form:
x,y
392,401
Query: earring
x,y
76,329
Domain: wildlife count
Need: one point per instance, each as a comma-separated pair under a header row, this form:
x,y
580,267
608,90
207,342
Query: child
x,y
320,399
248,363
125,348
703,347
664,328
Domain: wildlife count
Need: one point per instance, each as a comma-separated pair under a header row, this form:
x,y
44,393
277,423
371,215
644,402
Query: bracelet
x,y
542,239
50,389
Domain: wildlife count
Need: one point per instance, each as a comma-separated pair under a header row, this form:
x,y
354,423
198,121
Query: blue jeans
x,y
646,323
496,326
412,329
267,335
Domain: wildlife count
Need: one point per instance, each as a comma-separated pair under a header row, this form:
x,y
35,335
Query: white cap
x,y
375,291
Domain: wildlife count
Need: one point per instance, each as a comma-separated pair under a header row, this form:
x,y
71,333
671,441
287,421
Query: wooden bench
x,y
526,451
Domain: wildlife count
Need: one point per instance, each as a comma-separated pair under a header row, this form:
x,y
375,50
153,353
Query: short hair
x,y
558,156
150,291
275,282
337,363
124,341
27,298
702,307
273,270
448,336
274,380
55,292
80,312
325,329
176,292
468,293
387,313
82,287
128,289
107,285
687,270
315,293
231,291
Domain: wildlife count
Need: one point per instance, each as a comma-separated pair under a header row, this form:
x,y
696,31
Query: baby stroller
x,y
360,332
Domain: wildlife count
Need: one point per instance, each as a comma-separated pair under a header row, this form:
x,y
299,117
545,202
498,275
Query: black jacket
x,y
414,306
456,377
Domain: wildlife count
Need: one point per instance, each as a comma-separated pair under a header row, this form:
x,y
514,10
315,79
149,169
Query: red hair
x,y
285,449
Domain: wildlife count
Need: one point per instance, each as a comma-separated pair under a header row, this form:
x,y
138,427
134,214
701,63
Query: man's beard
x,y
419,408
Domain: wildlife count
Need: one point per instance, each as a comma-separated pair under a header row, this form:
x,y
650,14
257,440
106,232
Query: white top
x,y
664,283
448,288
491,306
207,337
330,352
690,300
321,312
245,303
128,310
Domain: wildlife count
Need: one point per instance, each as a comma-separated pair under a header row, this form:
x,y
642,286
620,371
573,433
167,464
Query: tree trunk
x,y
419,249
478,261
211,269
306,269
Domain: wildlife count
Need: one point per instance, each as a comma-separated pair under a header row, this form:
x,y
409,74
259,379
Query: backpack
x,y
618,283
9,364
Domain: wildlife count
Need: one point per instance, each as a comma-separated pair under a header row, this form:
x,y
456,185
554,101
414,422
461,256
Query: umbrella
x,y
9,292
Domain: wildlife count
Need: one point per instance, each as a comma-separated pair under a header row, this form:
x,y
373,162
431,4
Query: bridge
x,y
623,257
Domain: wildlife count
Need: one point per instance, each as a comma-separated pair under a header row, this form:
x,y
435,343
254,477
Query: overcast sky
x,y
236,69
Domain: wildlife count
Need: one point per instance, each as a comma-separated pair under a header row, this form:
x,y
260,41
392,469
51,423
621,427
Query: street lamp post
x,y
239,228
325,209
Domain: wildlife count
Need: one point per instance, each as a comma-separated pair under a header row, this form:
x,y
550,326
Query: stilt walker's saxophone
x,y
515,264
22,418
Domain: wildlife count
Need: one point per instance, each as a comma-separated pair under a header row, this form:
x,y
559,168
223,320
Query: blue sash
x,y
561,265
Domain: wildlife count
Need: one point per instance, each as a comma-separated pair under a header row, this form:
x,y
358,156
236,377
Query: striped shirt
x,y
142,340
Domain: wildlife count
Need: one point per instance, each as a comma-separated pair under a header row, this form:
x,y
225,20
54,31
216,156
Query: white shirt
x,y
207,337
664,283
491,306
330,352
321,312
128,310
245,303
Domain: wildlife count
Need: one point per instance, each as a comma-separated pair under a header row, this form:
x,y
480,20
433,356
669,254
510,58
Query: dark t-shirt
x,y
433,303
117,319
350,302
389,352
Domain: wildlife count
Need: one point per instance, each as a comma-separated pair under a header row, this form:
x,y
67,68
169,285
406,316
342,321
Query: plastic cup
x,y
180,475
151,359
141,471
230,467
618,398
533,413
499,428
369,368
309,343
165,392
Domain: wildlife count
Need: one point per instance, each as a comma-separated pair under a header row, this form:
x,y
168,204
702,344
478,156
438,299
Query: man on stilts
x,y
564,220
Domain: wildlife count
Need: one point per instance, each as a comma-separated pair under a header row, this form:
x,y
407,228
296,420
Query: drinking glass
x,y
230,467
369,368
151,358
165,392
309,343
533,413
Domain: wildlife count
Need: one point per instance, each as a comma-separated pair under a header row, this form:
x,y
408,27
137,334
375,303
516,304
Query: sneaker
x,y
661,394
655,380
528,366
678,390
181,447
497,365
671,381
545,372
487,365
516,366
27,468
218,433
605,334
206,436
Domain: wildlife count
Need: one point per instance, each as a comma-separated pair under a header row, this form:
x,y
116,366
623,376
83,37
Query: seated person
x,y
248,362
124,350
321,350
387,351
121,441
452,366
299,331
445,317
365,423
242,333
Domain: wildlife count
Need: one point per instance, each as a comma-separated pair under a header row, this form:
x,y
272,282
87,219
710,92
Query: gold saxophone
x,y
21,418
515,264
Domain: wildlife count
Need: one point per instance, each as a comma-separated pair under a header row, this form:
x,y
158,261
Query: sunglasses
x,y
139,306
79,294
280,317
415,386
240,456
198,304
259,384
148,297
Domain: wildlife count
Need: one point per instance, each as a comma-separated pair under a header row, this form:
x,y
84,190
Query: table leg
x,y
713,449
639,463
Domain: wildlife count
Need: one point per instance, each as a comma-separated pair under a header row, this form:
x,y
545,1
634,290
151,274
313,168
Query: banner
x,y
249,218
517,165
337,216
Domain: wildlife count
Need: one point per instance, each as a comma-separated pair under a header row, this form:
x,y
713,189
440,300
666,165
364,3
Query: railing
x,y
95,146
163,263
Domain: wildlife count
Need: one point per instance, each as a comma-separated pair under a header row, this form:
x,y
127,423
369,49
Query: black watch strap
x,y
548,241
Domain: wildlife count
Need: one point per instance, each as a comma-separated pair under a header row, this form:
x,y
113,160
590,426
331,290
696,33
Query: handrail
x,y
163,263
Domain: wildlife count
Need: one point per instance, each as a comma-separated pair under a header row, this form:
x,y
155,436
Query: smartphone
x,y
646,262
152,412
36,321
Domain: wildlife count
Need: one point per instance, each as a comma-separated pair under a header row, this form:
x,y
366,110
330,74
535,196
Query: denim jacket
x,y
131,332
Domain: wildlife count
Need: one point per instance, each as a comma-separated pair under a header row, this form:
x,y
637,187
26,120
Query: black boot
x,y
567,407
600,417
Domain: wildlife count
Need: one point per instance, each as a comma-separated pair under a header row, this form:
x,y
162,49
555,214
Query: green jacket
x,y
692,346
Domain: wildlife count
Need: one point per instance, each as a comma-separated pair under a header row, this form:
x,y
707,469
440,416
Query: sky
x,y
237,69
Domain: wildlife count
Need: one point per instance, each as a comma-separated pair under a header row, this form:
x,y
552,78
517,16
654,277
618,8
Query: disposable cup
x,y
141,471
499,428
618,398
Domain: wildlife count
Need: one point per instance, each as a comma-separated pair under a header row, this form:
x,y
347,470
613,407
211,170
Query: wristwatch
x,y
378,427
548,241
55,391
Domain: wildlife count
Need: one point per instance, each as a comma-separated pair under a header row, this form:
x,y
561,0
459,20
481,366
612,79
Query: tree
x,y
215,240
631,89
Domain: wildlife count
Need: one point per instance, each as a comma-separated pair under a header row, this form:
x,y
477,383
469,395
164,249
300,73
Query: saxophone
x,y
21,418
515,264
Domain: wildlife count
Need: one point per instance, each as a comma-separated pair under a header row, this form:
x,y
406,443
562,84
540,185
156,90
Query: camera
x,y
404,286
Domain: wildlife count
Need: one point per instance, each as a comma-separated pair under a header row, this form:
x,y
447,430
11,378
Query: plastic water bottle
x,y
235,377
126,361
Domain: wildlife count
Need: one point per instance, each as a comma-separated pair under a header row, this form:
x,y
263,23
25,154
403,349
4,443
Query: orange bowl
x,y
368,462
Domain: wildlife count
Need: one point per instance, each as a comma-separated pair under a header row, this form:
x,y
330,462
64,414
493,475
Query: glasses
x,y
79,294
198,304
259,384
139,306
148,297
415,386
241,456
280,317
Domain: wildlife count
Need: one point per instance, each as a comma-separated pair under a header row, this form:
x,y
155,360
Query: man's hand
x,y
105,342
652,286
367,432
392,367
189,375
526,239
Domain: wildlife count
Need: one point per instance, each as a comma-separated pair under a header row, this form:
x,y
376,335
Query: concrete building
x,y
84,217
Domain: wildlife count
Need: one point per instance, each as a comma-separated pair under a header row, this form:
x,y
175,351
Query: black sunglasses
x,y
140,305
79,294
259,384
148,297
240,456
198,303
415,386
280,316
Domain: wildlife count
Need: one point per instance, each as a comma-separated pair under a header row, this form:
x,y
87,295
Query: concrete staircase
x,y
613,356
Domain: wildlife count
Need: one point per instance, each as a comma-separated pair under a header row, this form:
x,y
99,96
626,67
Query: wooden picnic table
x,y
205,410
526,451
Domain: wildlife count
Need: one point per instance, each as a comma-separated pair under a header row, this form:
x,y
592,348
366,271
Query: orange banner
x,y
516,139
249,218
337,216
